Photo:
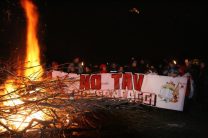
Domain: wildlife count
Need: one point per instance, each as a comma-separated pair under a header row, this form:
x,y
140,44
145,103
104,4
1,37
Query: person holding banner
x,y
134,67
103,68
113,68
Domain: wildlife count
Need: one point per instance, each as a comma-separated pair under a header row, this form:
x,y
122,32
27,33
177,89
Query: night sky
x,y
108,31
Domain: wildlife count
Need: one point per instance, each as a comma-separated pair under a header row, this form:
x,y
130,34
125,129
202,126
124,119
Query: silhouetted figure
x,y
203,84
71,68
113,68
55,66
78,65
87,70
121,69
134,67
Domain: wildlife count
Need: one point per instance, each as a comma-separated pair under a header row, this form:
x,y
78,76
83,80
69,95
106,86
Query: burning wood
x,y
29,100
34,105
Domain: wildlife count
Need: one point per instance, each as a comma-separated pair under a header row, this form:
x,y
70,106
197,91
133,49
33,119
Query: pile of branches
x,y
44,104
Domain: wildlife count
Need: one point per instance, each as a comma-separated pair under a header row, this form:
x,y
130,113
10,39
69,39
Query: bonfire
x,y
32,101
29,98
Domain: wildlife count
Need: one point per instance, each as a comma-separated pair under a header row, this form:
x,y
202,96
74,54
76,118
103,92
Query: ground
x,y
142,121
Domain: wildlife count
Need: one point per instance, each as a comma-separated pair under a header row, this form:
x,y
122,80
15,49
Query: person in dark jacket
x,y
113,68
203,84
78,65
121,69
71,68
134,67
142,67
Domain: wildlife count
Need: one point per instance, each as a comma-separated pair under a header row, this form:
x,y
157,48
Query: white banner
x,y
154,90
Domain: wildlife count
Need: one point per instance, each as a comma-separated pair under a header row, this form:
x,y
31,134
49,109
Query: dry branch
x,y
45,104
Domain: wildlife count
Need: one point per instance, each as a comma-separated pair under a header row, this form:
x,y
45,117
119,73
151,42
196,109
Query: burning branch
x,y
27,105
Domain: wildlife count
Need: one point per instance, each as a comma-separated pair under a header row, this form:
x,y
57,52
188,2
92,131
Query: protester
x,y
87,70
142,67
203,84
151,70
80,68
113,68
172,69
55,66
71,68
187,65
78,65
194,70
134,67
121,69
76,61
181,70
103,68
96,69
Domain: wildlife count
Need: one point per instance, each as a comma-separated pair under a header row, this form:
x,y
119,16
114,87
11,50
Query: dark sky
x,y
105,31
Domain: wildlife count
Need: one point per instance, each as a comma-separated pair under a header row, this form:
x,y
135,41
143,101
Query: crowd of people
x,y
196,70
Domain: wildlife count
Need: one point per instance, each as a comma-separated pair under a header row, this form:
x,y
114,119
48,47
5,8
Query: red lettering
x,y
96,82
116,80
84,82
138,81
127,81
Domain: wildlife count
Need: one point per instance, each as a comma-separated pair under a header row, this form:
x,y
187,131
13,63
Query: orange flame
x,y
33,71
22,118
32,60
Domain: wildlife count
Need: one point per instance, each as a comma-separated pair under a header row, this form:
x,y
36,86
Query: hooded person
x,y
103,68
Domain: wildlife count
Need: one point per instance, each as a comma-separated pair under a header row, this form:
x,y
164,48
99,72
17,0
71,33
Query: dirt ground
x,y
142,121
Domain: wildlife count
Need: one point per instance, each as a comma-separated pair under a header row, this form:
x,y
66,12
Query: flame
x,y
33,71
23,117
9,89
32,60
